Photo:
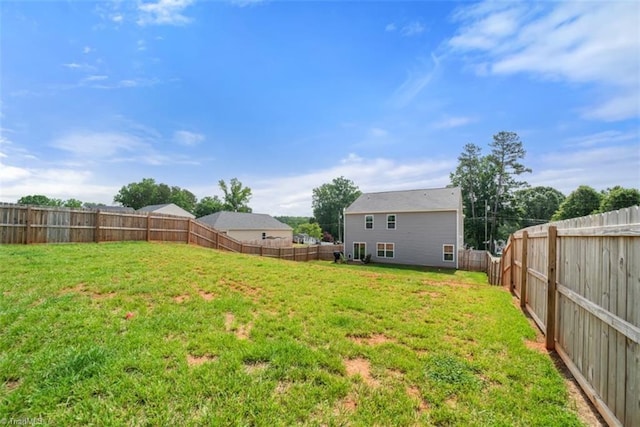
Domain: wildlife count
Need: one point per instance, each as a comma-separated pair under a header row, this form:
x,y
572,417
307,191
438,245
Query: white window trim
x,y
385,250
453,252
395,222
373,220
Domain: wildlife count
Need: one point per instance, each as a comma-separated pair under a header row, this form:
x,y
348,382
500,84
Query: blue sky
x,y
287,96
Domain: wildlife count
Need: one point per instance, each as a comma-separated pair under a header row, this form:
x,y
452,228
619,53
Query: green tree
x,y
208,205
312,230
537,205
147,192
475,176
618,198
139,194
330,199
183,198
294,221
72,203
236,197
506,152
39,200
581,202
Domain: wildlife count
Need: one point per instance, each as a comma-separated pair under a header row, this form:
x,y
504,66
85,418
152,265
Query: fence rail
x,y
580,281
36,224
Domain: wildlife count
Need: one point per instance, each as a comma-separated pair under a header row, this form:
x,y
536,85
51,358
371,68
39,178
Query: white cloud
x,y
87,49
414,84
602,138
391,27
141,45
453,122
412,29
599,167
163,12
292,195
79,67
16,182
576,42
378,132
92,145
95,78
187,138
244,3
118,18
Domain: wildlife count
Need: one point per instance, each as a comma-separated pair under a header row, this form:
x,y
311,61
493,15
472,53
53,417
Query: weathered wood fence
x,y
474,260
31,224
580,281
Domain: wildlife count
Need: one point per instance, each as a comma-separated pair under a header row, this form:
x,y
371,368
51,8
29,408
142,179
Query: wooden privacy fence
x,y
30,224
475,260
580,281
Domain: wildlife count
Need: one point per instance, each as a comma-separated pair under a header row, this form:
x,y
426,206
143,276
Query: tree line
x,y
496,199
147,192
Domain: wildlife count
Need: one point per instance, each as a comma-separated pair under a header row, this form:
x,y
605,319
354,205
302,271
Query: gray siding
x,y
418,237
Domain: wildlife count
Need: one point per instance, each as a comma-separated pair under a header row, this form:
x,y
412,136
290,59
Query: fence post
x,y
280,252
261,250
189,231
512,254
550,339
27,239
97,231
148,226
523,275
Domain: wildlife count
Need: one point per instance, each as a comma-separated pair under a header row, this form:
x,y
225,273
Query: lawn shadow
x,y
405,267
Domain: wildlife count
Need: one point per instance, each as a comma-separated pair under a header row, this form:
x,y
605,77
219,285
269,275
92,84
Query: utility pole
x,y
486,209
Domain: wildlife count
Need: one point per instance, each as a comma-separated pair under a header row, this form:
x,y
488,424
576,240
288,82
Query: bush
x,y
367,259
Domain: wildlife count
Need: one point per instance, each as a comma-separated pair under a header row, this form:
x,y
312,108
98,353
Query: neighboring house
x,y
304,238
167,209
418,227
247,227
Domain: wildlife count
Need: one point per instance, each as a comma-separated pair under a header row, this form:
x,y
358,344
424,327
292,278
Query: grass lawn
x,y
166,334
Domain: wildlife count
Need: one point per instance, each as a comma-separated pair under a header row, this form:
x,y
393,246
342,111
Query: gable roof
x,y
167,208
433,199
243,221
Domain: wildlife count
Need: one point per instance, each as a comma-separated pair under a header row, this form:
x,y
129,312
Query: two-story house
x,y
416,227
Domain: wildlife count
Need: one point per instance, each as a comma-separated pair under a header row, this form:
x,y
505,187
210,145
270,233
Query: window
x,y
447,252
391,222
359,250
385,250
368,222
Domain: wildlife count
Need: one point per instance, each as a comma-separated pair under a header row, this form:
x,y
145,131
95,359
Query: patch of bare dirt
x,y
243,288
81,289
282,387
243,331
361,367
199,360
395,373
348,404
538,346
452,402
429,294
207,296
376,339
414,392
181,298
12,384
255,367
228,321
452,284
